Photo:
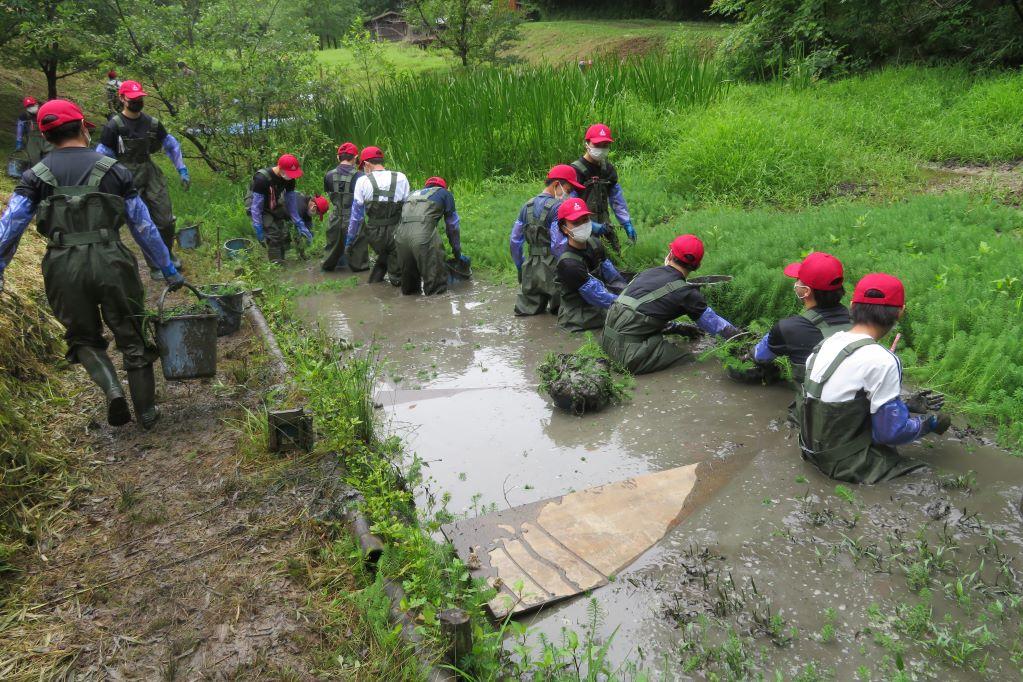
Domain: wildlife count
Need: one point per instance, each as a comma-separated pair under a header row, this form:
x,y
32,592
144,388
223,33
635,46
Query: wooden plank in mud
x,y
553,549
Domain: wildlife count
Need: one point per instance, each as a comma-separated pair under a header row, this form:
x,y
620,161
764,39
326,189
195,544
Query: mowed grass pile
x,y
477,124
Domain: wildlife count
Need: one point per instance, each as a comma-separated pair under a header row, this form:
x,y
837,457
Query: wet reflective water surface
x,y
809,570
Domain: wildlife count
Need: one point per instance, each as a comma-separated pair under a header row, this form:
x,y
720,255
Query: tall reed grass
x,y
478,124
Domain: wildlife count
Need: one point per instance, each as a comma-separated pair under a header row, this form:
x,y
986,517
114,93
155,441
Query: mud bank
x,y
797,568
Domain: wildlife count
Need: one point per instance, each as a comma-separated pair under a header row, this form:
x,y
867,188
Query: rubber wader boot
x,y
99,366
142,385
378,272
156,274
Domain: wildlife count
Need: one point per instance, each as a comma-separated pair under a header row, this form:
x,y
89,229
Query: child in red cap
x,y
849,412
339,186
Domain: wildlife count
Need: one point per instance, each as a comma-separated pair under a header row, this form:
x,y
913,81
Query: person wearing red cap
x,y
339,185
272,201
112,87
417,244
81,199
634,334
379,196
27,135
601,191
312,207
587,280
537,225
850,415
132,137
819,287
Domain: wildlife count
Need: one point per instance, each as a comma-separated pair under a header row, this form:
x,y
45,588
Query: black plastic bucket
x,y
189,237
188,343
229,305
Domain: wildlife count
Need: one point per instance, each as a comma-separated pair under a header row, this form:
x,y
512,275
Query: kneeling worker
x,y
537,226
418,247
819,287
850,414
83,198
644,312
589,283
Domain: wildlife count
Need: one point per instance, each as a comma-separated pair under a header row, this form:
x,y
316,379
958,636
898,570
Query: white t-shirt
x,y
363,191
873,369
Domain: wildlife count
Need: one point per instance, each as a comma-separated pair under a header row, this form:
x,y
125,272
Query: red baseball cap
x,y
598,132
132,90
57,112
565,172
29,101
372,154
689,249
879,288
111,74
436,181
289,166
321,205
819,270
573,209
347,148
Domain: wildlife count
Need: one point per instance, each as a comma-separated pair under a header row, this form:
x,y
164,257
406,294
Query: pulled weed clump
x,y
584,381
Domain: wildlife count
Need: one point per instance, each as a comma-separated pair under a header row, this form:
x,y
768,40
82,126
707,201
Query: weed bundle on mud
x,y
583,381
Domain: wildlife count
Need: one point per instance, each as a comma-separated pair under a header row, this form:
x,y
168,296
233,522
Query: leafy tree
x,y
58,37
236,76
817,37
329,19
473,30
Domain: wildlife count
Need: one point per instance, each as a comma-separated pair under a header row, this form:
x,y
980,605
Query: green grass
x,y
406,59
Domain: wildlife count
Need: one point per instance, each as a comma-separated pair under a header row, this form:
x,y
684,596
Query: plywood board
x,y
554,549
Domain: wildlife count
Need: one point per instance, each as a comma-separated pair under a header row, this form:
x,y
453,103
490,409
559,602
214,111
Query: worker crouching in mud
x,y
589,283
634,334
417,242
379,196
81,199
849,411
272,201
537,226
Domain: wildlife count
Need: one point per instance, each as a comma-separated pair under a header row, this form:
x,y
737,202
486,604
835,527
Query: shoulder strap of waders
x,y
634,303
825,327
122,127
814,388
383,194
43,172
104,164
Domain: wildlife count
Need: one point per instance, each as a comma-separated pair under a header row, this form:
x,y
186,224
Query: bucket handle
x,y
163,296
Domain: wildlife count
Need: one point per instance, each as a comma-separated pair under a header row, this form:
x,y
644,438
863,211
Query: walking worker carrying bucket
x,y
81,198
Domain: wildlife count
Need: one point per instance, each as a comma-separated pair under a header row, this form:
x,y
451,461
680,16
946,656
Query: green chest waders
x,y
89,275
135,153
36,146
382,216
276,220
837,437
597,195
538,291
342,192
799,371
418,247
575,314
636,340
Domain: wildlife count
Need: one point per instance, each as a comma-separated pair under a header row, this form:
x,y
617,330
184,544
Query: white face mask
x,y
797,287
598,153
559,191
581,233
34,109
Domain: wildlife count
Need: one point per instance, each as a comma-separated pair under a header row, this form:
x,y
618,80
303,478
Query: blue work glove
x,y
18,145
186,181
630,231
465,259
304,231
173,278
598,228
259,233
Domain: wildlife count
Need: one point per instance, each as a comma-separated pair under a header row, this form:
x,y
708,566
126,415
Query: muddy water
x,y
460,388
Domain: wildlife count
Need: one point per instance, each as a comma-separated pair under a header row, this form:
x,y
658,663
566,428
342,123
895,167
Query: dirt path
x,y
186,555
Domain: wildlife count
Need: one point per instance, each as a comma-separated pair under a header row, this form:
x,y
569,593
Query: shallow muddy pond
x,y
919,573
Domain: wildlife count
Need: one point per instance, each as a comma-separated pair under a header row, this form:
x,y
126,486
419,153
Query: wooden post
x,y
456,631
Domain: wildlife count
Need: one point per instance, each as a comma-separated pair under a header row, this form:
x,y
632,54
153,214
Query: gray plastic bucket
x,y
238,247
229,307
189,237
15,167
188,343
